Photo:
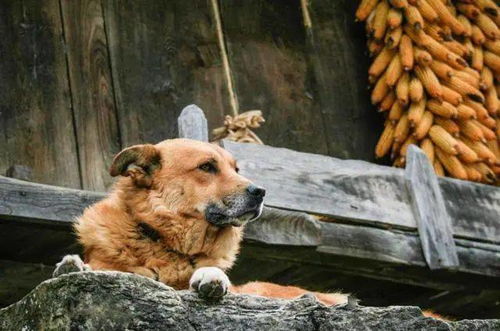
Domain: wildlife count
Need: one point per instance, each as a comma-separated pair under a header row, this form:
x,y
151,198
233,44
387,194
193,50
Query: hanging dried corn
x,y
436,78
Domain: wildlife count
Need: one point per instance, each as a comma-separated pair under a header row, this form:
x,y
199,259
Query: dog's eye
x,y
237,169
208,167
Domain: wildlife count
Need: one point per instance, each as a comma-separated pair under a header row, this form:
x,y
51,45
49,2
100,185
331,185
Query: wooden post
x,y
193,123
433,222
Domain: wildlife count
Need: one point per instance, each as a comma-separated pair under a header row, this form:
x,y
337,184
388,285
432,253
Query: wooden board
x,y
319,184
91,90
361,192
433,221
35,109
164,56
336,51
267,54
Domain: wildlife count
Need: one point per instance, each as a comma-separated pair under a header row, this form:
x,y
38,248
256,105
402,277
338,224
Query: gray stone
x,y
121,301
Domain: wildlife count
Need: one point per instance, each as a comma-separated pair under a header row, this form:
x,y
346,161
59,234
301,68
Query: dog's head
x,y
191,178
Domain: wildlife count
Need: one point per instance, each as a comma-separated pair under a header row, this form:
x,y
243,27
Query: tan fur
x,y
173,206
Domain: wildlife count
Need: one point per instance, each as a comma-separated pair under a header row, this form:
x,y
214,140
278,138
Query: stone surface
x,y
121,301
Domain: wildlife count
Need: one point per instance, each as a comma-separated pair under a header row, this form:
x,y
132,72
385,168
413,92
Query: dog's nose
x,y
256,191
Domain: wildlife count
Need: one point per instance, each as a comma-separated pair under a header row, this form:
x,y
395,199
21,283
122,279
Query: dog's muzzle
x,y
237,209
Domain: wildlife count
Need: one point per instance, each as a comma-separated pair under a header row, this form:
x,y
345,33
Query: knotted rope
x,y
238,128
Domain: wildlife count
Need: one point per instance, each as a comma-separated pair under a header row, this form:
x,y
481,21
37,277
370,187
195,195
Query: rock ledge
x,y
121,301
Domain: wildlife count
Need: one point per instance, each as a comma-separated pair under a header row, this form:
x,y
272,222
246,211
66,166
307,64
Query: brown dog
x,y
176,215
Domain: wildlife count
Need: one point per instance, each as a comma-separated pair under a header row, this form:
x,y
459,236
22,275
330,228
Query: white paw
x,y
209,282
70,263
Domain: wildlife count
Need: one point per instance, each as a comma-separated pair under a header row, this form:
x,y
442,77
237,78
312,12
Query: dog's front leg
x,y
209,282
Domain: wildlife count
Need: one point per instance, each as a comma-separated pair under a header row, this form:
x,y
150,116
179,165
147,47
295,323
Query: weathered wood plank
x,y
429,209
267,54
193,124
336,51
323,185
481,217
402,248
361,192
35,110
51,205
91,90
164,56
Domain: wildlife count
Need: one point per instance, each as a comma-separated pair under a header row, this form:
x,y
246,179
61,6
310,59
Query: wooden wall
x,y
79,80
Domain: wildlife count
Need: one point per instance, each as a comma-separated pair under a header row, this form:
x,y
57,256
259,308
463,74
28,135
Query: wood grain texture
x,y
336,52
361,192
267,54
429,209
36,127
164,56
92,91
318,184
193,124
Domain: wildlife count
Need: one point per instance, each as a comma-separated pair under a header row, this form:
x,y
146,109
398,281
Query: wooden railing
x,y
405,217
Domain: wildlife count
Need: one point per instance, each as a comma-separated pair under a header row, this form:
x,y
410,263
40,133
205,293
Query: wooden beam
x,y
193,123
362,192
429,209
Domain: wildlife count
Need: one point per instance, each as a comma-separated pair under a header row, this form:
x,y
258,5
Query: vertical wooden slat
x,y
164,56
193,123
267,55
36,127
433,221
337,53
92,91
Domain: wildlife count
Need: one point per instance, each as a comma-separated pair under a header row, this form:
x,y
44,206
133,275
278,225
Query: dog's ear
x,y
138,162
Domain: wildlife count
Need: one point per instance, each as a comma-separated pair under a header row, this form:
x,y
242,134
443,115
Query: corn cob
x,y
442,70
385,141
365,8
466,24
393,37
394,71
472,173
399,3
492,61
406,52
477,36
486,79
449,125
487,6
452,164
493,46
446,16
416,90
402,129
443,109
428,148
465,153
396,112
477,58
416,111
451,96
438,168
429,81
440,52
394,18
422,57
442,139
487,132
491,101
427,11
471,131
381,62
387,102
465,112
414,18
470,11
488,27
380,20
488,175
402,89
380,90
464,89
424,125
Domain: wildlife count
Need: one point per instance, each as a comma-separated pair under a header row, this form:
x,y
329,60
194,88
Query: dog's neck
x,y
160,225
